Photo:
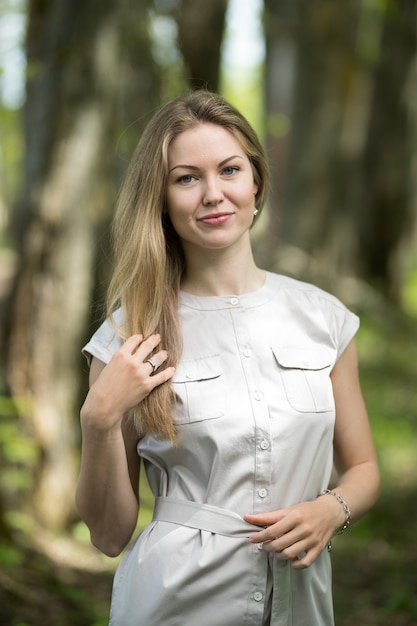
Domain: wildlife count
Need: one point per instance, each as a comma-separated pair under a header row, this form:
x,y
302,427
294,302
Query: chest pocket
x,y
305,374
200,389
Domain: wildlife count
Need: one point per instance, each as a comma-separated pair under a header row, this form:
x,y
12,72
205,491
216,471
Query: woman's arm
x,y
354,452
299,533
107,489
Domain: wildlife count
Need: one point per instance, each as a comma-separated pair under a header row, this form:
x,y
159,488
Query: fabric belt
x,y
202,517
223,522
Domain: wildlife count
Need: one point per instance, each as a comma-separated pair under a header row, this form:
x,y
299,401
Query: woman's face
x,y
211,188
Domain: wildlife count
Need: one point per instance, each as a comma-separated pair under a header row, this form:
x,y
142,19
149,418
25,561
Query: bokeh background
x,y
331,87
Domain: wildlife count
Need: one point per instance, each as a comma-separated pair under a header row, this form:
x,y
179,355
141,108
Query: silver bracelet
x,y
345,507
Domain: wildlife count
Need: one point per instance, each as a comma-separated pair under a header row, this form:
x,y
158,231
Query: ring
x,y
153,363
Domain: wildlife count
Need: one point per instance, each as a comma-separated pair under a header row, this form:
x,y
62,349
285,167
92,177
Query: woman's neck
x,y
216,274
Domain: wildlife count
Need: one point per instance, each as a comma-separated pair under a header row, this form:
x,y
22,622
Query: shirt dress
x,y
255,417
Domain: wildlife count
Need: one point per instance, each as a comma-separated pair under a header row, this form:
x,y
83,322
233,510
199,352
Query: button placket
x,y
260,410
261,454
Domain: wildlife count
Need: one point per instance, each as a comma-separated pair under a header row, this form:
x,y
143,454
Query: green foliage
x,y
375,563
11,150
163,33
409,295
10,556
244,90
80,532
34,592
375,574
388,357
19,451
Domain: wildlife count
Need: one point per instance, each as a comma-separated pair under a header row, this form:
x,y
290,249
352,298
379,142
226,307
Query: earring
x,y
255,211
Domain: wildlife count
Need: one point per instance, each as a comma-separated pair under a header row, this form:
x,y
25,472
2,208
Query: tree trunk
x,y
281,19
387,215
308,94
200,33
339,122
90,77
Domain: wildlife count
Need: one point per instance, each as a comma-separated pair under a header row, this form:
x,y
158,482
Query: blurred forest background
x,y
331,86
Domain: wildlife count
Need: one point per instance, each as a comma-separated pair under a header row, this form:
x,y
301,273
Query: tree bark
x,y
200,33
308,90
90,77
281,19
340,126
387,213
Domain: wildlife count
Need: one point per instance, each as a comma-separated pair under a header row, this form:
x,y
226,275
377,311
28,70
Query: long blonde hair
x,y
148,256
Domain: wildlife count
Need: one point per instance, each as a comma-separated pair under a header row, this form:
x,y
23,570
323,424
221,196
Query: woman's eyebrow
x,y
230,158
194,167
187,167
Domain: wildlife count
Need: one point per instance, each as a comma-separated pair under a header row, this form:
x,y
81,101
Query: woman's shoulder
x,y
301,290
107,339
312,306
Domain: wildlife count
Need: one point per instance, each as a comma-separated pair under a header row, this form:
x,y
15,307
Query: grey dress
x,y
255,415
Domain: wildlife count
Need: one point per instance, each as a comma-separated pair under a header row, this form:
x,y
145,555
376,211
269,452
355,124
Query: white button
x,y
234,301
257,596
258,395
190,375
306,363
247,352
264,444
262,493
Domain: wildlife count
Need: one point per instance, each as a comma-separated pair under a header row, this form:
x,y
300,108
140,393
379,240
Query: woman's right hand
x,y
123,383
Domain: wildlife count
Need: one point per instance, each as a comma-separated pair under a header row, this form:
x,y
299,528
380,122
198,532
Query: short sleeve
x,y
342,323
106,341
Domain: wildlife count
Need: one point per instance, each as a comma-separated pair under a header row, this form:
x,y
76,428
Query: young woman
x,y
237,387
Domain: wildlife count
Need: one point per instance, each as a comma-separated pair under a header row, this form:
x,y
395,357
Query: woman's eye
x,y
187,178
230,169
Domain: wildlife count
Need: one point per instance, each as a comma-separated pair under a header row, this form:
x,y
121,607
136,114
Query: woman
x,y
237,387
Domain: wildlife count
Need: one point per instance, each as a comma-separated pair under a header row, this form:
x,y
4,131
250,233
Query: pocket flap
x,y
204,368
315,358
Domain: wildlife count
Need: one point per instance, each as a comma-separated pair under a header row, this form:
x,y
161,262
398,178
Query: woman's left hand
x,y
300,532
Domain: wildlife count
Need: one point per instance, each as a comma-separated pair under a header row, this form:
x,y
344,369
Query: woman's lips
x,y
216,219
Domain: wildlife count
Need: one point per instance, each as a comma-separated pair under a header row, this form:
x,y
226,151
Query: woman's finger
x,y
131,344
161,377
155,361
139,347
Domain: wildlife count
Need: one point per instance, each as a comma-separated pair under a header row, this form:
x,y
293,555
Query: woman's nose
x,y
212,193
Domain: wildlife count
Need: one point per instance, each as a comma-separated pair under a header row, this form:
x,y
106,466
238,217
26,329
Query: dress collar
x,y
246,300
